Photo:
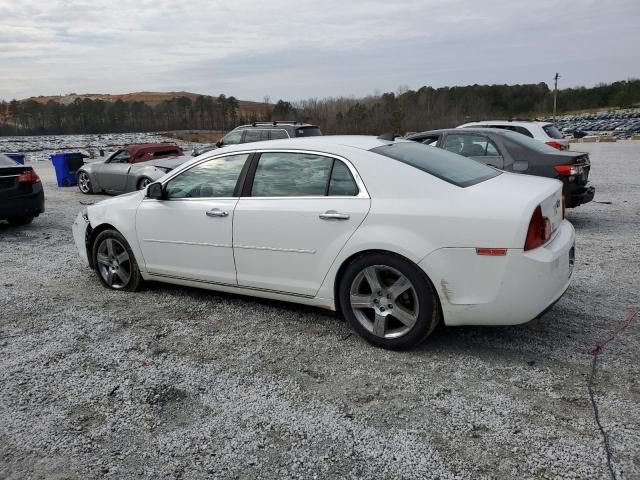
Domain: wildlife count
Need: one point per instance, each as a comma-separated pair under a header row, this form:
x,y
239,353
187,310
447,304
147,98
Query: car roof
x,y
361,142
494,131
149,146
276,124
506,122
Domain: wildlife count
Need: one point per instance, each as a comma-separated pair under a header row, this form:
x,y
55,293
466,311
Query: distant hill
x,y
246,107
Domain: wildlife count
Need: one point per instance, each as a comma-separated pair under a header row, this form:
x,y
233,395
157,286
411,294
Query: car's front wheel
x,y
84,183
114,262
389,301
143,183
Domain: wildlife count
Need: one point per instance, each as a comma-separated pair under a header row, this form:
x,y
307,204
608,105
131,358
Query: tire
x,y
114,262
84,183
19,221
399,314
143,182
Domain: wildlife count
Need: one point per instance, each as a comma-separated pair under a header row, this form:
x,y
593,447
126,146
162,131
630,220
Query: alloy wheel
x,y
84,183
114,263
384,301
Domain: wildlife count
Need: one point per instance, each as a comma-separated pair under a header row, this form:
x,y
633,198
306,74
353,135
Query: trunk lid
x,y
9,185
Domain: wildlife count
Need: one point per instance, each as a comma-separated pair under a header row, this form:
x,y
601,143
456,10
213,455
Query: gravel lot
x,y
176,382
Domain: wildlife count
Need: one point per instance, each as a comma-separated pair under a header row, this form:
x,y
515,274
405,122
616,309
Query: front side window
x,y
232,138
121,157
214,178
285,174
444,165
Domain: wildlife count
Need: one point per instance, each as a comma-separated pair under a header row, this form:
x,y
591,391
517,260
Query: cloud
x,y
308,48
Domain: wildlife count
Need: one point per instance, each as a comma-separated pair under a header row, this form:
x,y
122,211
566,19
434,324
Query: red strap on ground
x,y
600,345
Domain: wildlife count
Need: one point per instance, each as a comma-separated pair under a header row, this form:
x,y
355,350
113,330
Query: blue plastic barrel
x,y
18,157
66,165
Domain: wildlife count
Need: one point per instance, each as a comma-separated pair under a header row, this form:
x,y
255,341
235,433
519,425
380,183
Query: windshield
x,y
7,161
552,131
447,166
530,143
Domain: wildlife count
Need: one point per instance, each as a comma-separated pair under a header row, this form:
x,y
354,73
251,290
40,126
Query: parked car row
x,y
620,124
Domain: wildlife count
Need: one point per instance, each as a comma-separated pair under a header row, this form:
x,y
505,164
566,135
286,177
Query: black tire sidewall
x,y
20,221
428,316
135,278
139,186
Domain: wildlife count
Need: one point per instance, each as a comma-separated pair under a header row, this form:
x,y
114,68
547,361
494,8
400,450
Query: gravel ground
x,y
176,382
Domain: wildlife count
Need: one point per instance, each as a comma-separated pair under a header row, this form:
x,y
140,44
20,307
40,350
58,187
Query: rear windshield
x,y
529,143
552,131
308,132
447,166
7,161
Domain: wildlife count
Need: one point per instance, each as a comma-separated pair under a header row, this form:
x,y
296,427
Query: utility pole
x,y
555,94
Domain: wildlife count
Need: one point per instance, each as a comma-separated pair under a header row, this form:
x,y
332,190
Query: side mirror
x,y
155,191
219,143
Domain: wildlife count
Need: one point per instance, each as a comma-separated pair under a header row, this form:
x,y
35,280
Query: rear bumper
x,y
30,205
506,290
576,195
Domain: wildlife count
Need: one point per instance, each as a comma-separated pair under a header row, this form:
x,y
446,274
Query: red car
x,y
144,152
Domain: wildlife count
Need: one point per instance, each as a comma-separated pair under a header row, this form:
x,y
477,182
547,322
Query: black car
x,y
21,193
514,152
259,131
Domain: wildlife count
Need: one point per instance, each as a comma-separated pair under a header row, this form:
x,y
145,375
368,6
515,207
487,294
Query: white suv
x,y
544,131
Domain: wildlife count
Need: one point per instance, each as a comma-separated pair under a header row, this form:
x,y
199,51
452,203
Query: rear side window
x,y
161,153
308,132
255,136
341,183
470,145
282,174
552,131
444,165
278,134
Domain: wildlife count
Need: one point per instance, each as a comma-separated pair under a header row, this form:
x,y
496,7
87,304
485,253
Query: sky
x,y
301,49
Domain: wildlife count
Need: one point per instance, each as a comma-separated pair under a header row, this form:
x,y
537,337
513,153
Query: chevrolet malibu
x,y
395,235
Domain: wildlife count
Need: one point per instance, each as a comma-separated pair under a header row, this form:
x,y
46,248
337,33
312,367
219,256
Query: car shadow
x,y
524,342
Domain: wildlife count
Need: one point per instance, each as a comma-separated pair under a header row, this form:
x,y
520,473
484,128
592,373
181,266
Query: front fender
x,y
120,213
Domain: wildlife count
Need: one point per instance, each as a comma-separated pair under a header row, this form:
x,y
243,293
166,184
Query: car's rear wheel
x,y
389,301
84,183
19,221
114,262
143,182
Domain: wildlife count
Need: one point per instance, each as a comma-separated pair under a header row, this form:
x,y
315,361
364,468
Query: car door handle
x,y
333,215
216,212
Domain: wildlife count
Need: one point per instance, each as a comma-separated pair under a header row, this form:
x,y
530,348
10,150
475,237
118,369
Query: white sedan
x,y
395,235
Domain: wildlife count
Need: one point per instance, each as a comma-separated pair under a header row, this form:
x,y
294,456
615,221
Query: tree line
x,y
401,111
86,115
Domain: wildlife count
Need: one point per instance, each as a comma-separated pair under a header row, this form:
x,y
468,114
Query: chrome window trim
x,y
362,189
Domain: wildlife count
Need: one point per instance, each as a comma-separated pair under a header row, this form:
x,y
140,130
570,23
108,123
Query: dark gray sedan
x,y
517,153
120,177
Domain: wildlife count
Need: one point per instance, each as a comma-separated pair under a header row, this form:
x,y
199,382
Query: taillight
x,y
539,230
569,170
28,177
556,145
